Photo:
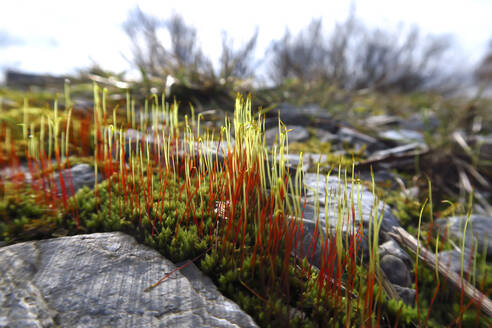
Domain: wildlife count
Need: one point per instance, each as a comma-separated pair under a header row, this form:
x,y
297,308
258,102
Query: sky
x,y
59,36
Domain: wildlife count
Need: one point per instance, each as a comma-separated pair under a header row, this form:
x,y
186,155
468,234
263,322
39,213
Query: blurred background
x,y
403,87
402,45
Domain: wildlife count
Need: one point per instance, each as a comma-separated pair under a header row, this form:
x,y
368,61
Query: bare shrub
x,y
483,72
355,56
185,51
237,63
397,61
149,56
303,57
183,58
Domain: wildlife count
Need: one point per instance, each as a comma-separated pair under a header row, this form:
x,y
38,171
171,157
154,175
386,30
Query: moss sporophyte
x,y
219,198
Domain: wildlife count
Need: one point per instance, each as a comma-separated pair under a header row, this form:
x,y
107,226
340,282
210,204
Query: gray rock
x,y
377,121
81,175
382,177
325,136
84,104
308,160
396,270
298,133
21,302
358,139
406,294
402,136
452,259
216,150
392,247
22,170
479,230
7,103
20,80
355,135
399,150
288,111
420,122
309,115
308,245
99,280
483,145
363,202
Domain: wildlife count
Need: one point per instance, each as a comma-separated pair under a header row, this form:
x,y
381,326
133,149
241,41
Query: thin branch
x,y
429,258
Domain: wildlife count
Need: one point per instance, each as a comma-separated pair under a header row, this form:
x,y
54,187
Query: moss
x,y
179,227
22,217
314,146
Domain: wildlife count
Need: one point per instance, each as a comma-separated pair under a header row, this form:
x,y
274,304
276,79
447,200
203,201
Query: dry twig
x,y
429,258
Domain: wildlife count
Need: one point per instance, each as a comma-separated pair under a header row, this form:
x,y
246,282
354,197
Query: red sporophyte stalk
x,y
44,179
75,210
432,302
61,179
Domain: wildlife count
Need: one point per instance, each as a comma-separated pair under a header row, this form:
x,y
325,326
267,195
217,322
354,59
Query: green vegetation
x,y
233,213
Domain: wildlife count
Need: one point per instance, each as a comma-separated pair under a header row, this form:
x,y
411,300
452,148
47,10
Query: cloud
x,y
7,40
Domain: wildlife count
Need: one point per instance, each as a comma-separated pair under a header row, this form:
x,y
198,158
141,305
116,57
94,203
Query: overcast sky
x,y
59,36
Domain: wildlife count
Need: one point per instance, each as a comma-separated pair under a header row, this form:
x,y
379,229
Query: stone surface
x,y
332,191
296,133
396,270
421,122
99,280
308,160
350,138
402,136
308,115
7,103
378,121
20,80
479,229
406,294
308,246
483,145
363,204
399,150
392,247
452,259
82,175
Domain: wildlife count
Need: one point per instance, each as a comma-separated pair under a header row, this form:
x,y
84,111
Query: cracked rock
x,y
98,280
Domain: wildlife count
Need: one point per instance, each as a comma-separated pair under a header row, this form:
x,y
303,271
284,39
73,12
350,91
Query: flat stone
x,y
396,270
7,103
452,260
377,121
309,115
483,145
399,150
402,135
98,280
359,139
308,160
325,136
479,230
420,122
392,247
335,209
332,191
406,294
295,133
81,175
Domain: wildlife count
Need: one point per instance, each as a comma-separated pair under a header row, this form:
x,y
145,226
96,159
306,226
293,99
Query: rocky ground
x,y
99,279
